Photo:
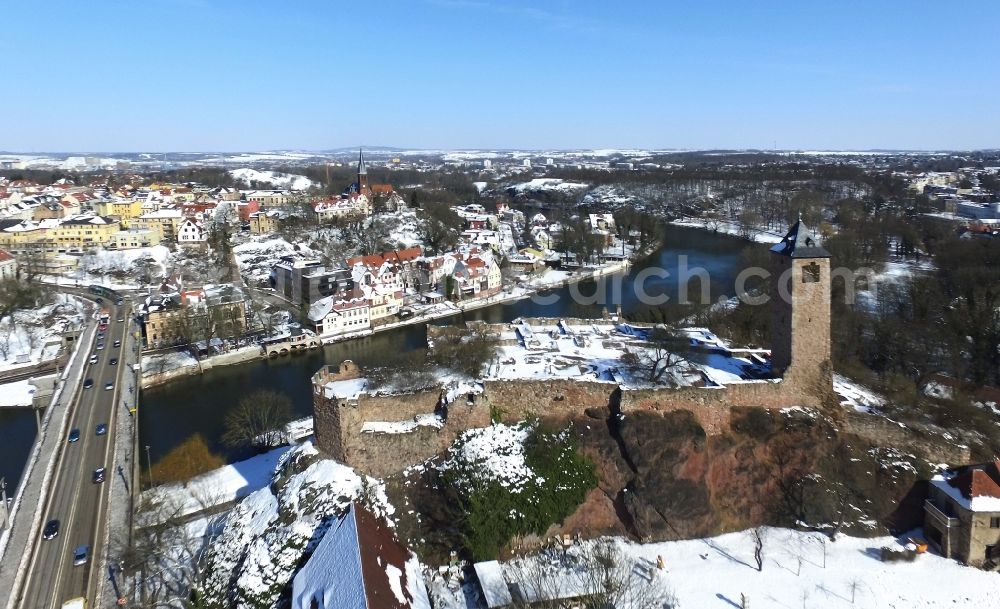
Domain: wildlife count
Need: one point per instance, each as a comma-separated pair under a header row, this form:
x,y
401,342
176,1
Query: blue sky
x,y
174,75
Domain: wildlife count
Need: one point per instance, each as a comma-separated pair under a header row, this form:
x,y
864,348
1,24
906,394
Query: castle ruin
x,y
383,434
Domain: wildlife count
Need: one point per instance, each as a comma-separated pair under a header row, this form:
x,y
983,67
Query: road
x,y
75,500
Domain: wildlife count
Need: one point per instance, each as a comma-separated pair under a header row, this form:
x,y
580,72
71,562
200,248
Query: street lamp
x,y
149,466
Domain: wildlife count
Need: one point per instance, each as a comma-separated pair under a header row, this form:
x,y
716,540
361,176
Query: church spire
x,y
362,171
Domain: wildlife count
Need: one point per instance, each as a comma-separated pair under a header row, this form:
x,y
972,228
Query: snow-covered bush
x,y
512,480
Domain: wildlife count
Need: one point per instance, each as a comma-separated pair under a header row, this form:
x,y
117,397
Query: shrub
x,y
492,513
187,461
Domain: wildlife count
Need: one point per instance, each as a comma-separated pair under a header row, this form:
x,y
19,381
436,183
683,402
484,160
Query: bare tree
x,y
663,354
758,535
166,556
258,420
595,574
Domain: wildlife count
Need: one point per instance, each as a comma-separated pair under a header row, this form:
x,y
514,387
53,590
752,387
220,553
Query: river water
x,y
174,412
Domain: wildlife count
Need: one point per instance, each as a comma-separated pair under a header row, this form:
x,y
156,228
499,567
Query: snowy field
x,y
549,184
275,179
800,570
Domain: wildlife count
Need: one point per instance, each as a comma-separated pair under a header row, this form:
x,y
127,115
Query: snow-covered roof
x,y
974,487
345,390
494,586
801,242
359,565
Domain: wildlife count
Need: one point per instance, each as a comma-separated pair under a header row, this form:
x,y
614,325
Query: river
x,y
174,412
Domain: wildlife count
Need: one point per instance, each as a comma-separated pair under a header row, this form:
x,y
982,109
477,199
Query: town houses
x,y
368,291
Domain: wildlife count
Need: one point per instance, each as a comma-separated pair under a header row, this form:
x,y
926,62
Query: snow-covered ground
x,y
895,271
404,227
729,228
275,179
220,486
800,569
856,396
116,269
257,256
18,393
266,535
596,351
34,335
549,184
166,362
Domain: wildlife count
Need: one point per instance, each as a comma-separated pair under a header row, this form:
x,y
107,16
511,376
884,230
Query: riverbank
x,y
162,368
732,229
449,309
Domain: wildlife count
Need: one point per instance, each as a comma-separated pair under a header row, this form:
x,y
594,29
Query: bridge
x,y
57,481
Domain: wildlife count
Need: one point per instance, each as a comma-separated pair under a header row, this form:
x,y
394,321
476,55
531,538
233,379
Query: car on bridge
x,y
109,385
80,555
74,435
118,343
51,530
102,429
113,362
98,476
87,384
93,359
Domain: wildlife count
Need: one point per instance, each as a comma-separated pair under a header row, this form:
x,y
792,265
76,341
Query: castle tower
x,y
362,172
800,308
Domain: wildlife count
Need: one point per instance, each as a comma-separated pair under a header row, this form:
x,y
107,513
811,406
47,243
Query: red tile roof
x,y
978,480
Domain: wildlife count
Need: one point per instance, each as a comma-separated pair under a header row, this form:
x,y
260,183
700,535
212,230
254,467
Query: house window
x,y
810,273
995,522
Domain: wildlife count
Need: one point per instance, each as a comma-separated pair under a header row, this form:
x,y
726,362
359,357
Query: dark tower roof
x,y
362,170
801,242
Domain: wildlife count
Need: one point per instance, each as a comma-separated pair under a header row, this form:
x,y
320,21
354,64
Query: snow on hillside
x,y
274,178
32,336
549,184
855,396
266,537
493,453
256,257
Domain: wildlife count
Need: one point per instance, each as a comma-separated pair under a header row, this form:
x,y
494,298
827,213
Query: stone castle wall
x,y
338,424
886,433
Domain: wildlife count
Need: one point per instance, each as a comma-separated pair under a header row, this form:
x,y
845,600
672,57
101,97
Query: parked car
x,y
87,384
113,362
74,435
51,529
80,555
93,359
100,346
98,475
102,429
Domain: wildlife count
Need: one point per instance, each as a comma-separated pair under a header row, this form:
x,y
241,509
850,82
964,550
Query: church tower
x,y
362,172
800,308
